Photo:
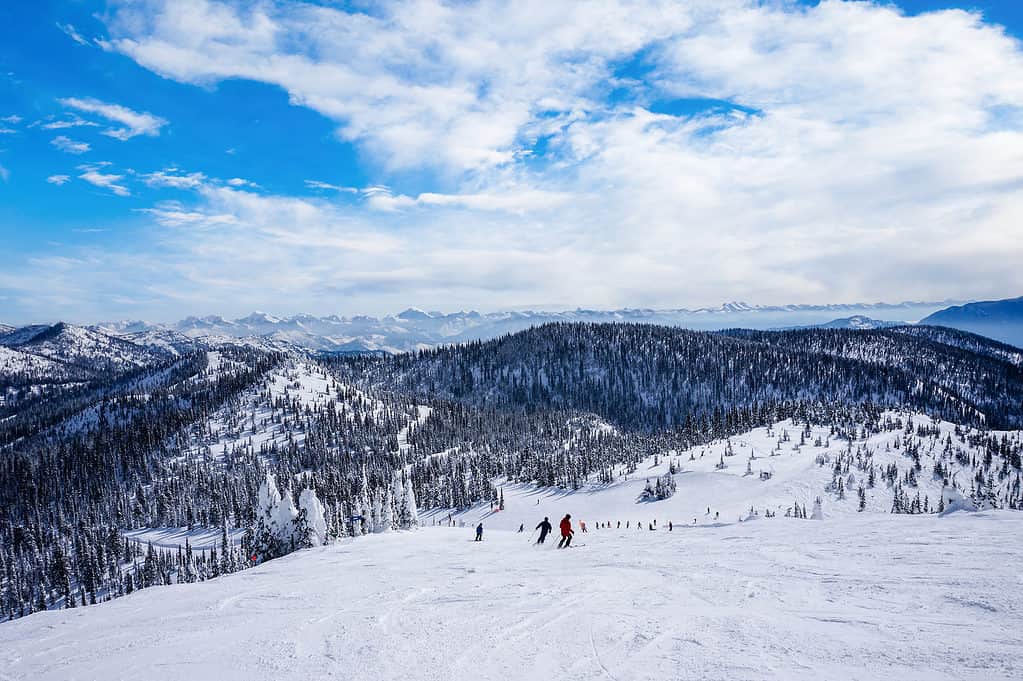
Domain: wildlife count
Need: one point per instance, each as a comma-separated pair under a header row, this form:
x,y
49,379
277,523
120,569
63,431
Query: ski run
x,y
724,579
866,597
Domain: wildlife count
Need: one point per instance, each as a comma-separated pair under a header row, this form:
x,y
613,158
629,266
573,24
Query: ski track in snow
x,y
868,597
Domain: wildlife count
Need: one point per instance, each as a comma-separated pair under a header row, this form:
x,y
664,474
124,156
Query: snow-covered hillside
x,y
84,347
725,579
274,412
773,470
869,597
14,362
855,322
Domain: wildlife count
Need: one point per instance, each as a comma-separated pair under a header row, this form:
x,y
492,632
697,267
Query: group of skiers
x,y
545,528
567,532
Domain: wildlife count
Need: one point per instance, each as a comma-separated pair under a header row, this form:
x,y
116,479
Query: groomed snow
x,y
865,597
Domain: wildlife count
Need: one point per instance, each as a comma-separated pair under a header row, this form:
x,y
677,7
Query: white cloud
x,y
92,173
133,122
5,174
70,146
72,121
316,184
59,180
420,84
73,33
172,178
857,154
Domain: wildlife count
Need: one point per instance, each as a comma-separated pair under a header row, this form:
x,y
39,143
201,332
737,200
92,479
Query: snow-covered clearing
x,y
865,597
199,538
708,494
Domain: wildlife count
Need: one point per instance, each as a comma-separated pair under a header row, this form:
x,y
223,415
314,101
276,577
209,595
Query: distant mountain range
x,y
998,319
415,329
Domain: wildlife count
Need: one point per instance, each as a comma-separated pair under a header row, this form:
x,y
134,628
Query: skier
x,y
545,528
566,532
582,525
522,527
479,532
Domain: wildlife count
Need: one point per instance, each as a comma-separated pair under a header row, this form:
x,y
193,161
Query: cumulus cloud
x,y
70,146
611,154
132,122
426,83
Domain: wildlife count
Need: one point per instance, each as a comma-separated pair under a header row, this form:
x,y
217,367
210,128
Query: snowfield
x,y
865,597
733,590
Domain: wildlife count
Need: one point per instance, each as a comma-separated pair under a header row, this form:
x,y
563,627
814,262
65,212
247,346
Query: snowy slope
x,y
800,474
253,422
872,597
90,349
16,336
16,362
854,322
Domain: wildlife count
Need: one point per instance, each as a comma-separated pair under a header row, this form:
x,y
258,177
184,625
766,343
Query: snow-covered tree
x,y
818,512
311,525
286,527
409,516
263,538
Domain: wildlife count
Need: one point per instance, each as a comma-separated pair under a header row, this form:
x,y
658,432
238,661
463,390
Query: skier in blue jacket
x,y
479,532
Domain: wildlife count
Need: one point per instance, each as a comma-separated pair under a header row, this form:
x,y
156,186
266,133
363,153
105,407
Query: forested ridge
x,y
650,377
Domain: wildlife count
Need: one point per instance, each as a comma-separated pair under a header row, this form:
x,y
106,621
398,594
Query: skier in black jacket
x,y
545,529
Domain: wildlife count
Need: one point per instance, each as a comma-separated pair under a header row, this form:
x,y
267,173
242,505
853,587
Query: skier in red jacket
x,y
566,532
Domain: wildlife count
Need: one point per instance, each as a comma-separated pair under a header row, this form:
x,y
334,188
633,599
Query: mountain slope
x,y
982,345
16,336
186,442
89,349
998,319
21,368
650,377
855,322
775,599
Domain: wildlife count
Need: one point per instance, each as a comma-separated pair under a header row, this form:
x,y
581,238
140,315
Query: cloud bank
x,y
632,153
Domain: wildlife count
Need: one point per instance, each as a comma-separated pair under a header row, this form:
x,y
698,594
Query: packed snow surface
x,y
864,597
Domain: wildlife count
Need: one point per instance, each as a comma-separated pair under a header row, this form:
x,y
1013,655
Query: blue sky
x,y
160,159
